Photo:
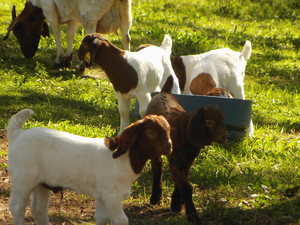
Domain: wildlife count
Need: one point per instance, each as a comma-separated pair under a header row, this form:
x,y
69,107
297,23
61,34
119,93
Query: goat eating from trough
x,y
103,16
190,132
132,74
103,168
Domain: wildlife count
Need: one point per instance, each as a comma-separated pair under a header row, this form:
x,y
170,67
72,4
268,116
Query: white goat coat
x,y
99,174
227,68
87,13
56,158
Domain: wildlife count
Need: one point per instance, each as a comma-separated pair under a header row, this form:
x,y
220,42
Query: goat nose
x,y
224,137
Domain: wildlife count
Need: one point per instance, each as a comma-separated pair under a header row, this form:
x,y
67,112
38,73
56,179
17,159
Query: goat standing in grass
x,y
40,159
190,132
132,74
103,16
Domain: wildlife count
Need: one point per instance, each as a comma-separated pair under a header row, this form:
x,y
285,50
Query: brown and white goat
x,y
104,168
132,74
190,132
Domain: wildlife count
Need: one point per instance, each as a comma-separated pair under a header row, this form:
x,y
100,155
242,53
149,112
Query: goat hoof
x,y
175,207
155,200
194,219
81,67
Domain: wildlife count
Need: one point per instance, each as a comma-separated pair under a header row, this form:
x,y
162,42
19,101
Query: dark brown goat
x,y
190,131
23,26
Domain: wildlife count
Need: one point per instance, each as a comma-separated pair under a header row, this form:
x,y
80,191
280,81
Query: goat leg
x,y
177,201
183,194
157,166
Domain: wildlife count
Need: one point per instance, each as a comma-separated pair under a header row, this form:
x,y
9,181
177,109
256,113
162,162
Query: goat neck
x,y
179,69
111,58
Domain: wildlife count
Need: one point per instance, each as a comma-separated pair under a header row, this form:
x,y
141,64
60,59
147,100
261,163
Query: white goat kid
x,y
40,159
226,67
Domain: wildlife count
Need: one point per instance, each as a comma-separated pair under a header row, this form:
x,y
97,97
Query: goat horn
x,y
13,22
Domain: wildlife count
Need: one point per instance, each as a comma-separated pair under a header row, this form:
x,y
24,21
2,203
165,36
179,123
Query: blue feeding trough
x,y
237,112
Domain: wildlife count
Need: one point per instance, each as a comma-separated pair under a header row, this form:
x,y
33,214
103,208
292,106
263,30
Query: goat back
x,y
163,104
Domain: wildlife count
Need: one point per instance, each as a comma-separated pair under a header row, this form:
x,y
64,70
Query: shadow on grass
x,y
57,109
278,213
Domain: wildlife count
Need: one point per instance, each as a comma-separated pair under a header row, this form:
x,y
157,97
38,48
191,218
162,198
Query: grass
x,y
245,185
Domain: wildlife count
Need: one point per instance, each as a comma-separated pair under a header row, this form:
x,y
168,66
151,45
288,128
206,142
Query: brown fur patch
x,y
111,143
179,70
111,58
202,84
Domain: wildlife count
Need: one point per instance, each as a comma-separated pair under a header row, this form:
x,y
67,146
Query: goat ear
x,y
13,22
195,127
127,139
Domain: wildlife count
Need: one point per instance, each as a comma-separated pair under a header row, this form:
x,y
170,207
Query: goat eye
x,y
151,134
209,123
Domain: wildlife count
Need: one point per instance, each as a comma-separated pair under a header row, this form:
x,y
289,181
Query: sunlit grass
x,y
243,185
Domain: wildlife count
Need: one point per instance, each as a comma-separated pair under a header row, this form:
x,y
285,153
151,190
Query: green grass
x,y
243,185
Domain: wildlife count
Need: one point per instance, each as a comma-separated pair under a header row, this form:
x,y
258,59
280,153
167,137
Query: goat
x,y
104,168
132,74
190,132
225,66
103,16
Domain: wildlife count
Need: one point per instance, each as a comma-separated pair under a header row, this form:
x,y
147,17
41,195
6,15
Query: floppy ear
x,y
127,139
196,127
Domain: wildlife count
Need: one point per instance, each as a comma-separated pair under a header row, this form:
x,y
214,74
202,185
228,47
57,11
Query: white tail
x,y
16,122
167,44
246,52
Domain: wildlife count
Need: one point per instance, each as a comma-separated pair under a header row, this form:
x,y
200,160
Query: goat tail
x,y
16,122
167,44
247,49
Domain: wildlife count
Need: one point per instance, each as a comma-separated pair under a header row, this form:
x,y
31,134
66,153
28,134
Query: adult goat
x,y
102,16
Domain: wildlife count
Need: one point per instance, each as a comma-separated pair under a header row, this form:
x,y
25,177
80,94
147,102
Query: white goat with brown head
x,y
132,74
103,16
40,159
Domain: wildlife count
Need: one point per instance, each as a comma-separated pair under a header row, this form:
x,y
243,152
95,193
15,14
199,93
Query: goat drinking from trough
x,y
225,66
104,168
132,74
103,16
190,132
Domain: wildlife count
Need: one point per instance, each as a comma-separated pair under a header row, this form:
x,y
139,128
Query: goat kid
x,y
103,168
190,132
103,16
132,74
225,66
